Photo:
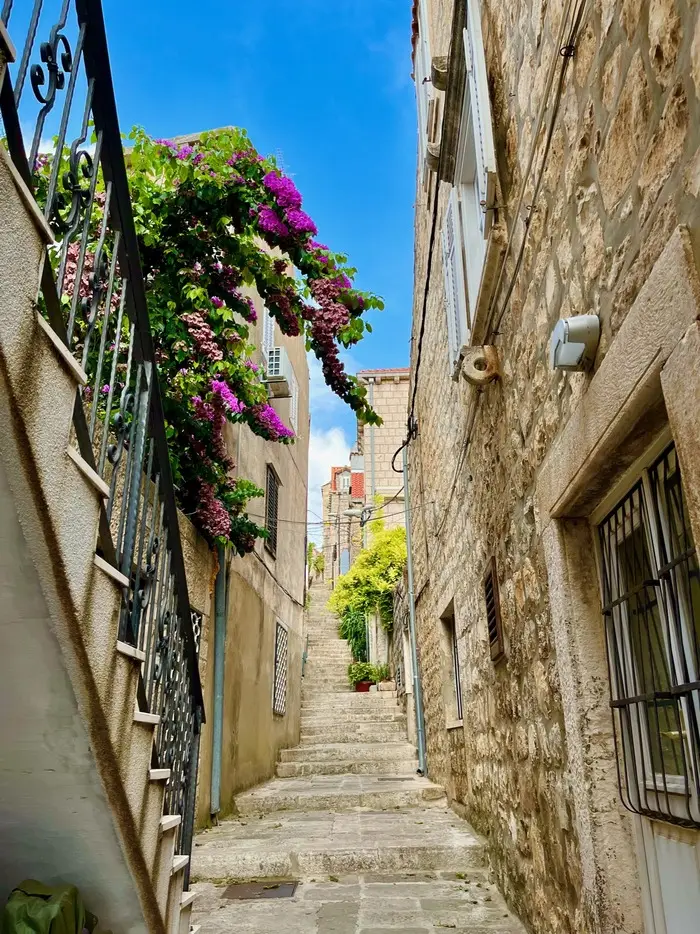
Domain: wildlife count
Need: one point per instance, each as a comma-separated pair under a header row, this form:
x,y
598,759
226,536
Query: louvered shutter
x,y
455,293
294,405
268,336
478,89
424,88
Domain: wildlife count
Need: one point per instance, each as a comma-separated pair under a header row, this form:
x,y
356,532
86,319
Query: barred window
x,y
651,606
271,507
279,692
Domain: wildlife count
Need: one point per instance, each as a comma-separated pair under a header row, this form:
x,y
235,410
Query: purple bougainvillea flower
x,y
300,222
166,142
198,158
230,401
105,389
184,152
217,302
270,223
284,190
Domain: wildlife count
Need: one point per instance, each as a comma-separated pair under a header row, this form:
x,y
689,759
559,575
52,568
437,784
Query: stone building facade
x,y
342,538
387,390
559,173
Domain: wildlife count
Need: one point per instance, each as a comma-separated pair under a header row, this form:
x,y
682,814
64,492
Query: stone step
x,y
365,701
347,767
348,718
370,732
324,752
341,793
322,843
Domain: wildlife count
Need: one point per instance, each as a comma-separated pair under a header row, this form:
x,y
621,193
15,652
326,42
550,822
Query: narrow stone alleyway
x,y
372,844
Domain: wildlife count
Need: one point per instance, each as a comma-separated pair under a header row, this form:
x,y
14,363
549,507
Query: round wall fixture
x,y
480,365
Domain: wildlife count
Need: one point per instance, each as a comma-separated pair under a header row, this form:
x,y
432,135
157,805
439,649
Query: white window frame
x,y
475,175
424,87
268,336
294,404
458,325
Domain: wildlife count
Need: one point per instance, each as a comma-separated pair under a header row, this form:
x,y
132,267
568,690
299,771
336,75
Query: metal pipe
x,y
417,689
372,484
219,650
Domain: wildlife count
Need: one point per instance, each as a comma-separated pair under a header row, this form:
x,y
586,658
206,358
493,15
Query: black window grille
x,y
455,670
651,606
279,695
271,507
493,612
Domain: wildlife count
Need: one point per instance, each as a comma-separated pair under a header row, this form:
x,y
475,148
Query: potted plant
x,y
361,675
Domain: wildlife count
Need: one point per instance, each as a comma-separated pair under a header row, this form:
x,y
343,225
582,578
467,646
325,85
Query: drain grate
x,y
242,891
395,778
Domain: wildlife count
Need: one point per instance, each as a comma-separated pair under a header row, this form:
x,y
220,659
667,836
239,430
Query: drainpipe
x,y
417,690
372,487
220,601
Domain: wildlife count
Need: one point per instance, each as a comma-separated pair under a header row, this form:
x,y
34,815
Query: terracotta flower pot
x,y
362,687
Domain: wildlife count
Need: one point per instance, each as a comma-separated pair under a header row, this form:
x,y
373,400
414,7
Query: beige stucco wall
x,y
263,588
532,765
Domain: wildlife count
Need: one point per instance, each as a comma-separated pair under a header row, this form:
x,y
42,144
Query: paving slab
x,y
322,906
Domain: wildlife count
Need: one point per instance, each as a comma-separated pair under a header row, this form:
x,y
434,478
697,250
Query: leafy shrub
x,y
361,671
353,628
368,586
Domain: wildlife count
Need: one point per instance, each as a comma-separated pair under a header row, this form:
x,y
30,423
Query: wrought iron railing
x,y
93,295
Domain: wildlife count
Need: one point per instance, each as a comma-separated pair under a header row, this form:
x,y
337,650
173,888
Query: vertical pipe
x,y
417,689
372,484
219,649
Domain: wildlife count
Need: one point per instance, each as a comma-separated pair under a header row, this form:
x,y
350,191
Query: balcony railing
x,y
93,295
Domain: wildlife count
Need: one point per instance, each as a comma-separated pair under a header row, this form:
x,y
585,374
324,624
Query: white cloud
x,y
326,449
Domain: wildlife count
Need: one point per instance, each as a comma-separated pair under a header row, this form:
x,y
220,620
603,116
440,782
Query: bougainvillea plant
x,y
217,221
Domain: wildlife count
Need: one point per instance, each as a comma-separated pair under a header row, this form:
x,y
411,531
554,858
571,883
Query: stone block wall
x,y
622,174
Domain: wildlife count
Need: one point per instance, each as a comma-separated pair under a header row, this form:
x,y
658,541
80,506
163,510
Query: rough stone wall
x,y
389,395
622,174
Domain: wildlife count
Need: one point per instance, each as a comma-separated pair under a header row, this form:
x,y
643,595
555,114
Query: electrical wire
x,y
566,50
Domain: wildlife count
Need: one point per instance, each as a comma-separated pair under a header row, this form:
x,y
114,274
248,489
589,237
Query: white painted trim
x,y
142,716
187,898
90,475
169,821
63,352
28,199
158,775
179,862
131,651
111,571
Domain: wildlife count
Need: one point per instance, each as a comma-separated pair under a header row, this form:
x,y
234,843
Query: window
x,y
279,687
470,212
271,507
651,607
268,340
452,686
294,404
493,612
344,481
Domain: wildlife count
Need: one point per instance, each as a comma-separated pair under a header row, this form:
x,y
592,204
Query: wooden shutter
x,y
294,404
455,292
478,89
493,612
424,87
268,335
271,508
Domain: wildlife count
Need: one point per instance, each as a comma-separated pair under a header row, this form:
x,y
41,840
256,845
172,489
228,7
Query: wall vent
x,y
493,612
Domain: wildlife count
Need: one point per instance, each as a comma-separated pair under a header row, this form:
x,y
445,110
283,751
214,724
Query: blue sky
x,y
327,88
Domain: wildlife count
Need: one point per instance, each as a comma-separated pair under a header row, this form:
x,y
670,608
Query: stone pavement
x,y
371,843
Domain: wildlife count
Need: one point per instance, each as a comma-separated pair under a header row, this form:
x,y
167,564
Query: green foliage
x,y
368,586
360,671
319,563
353,628
365,671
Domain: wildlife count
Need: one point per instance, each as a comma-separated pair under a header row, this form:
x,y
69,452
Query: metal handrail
x,y
118,418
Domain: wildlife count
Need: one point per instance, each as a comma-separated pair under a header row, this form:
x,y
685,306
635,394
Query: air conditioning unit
x,y
279,373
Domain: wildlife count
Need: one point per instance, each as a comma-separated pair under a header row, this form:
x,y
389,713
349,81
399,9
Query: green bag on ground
x,y
35,908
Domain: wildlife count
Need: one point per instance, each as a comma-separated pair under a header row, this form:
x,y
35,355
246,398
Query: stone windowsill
x,y
454,724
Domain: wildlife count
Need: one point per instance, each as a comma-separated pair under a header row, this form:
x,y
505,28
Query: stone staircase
x,y
348,817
